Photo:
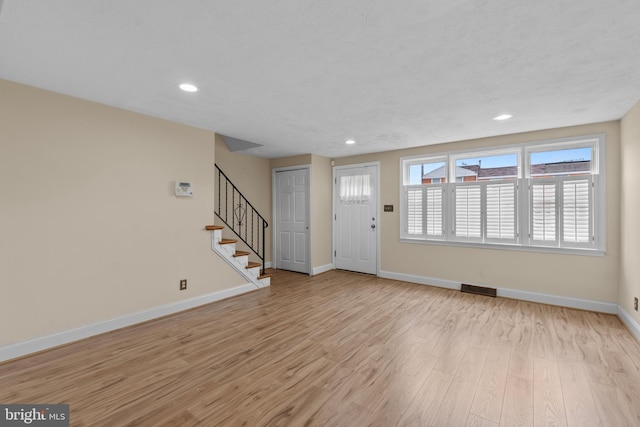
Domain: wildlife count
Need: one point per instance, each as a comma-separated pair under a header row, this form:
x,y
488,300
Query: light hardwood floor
x,y
344,349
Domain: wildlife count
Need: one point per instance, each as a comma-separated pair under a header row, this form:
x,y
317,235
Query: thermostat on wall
x,y
184,189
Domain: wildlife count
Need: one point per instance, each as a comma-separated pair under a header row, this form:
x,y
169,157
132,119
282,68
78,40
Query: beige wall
x,y
594,278
90,228
285,162
321,210
252,176
630,212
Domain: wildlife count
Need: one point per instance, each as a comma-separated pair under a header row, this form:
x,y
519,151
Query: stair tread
x,y
265,276
241,253
227,241
253,264
213,227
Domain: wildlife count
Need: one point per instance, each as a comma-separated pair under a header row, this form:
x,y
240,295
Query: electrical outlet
x,y
635,303
183,284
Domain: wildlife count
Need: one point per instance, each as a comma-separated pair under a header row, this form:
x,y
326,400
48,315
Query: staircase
x,y
239,260
242,218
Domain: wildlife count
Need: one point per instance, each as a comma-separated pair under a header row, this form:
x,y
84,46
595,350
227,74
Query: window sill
x,y
507,247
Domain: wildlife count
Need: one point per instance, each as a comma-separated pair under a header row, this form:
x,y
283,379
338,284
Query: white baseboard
x,y
583,304
23,348
431,281
267,264
321,269
631,323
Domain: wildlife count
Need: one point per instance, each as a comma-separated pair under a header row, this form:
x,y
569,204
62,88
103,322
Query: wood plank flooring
x,y
345,349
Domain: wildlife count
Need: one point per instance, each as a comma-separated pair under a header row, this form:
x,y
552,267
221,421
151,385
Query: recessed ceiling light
x,y
188,87
503,117
349,142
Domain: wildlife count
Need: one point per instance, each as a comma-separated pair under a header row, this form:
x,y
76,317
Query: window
x,y
414,211
468,211
535,195
561,188
355,188
424,204
548,163
426,171
487,168
501,211
424,197
543,212
576,212
561,211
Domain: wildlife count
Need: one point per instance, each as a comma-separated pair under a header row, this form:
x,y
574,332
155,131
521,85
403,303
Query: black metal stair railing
x,y
240,216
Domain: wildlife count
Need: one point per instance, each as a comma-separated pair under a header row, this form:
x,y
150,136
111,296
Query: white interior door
x,y
292,220
356,219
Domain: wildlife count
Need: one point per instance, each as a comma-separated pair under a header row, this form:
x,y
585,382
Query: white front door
x,y
292,222
356,219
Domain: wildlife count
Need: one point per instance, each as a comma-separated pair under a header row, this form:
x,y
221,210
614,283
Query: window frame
x,y
523,240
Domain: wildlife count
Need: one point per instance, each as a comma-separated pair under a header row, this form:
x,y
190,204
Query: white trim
x,y
322,269
629,321
377,208
274,216
309,221
481,152
24,348
422,280
583,304
505,247
579,303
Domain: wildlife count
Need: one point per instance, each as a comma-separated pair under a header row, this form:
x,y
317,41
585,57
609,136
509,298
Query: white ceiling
x,y
302,76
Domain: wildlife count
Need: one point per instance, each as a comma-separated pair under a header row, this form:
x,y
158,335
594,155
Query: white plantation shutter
x,y
545,196
562,212
468,212
433,210
576,212
501,211
424,210
414,210
543,212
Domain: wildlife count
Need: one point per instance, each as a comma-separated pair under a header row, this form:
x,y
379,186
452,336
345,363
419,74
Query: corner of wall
x,y
629,270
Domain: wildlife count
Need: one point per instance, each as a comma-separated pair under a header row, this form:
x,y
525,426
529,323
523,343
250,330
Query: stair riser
x,y
230,248
242,261
254,271
239,263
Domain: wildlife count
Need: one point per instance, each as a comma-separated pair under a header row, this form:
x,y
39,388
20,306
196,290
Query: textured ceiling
x,y
302,76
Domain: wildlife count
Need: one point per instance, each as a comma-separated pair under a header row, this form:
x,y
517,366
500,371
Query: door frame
x,y
377,207
274,214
